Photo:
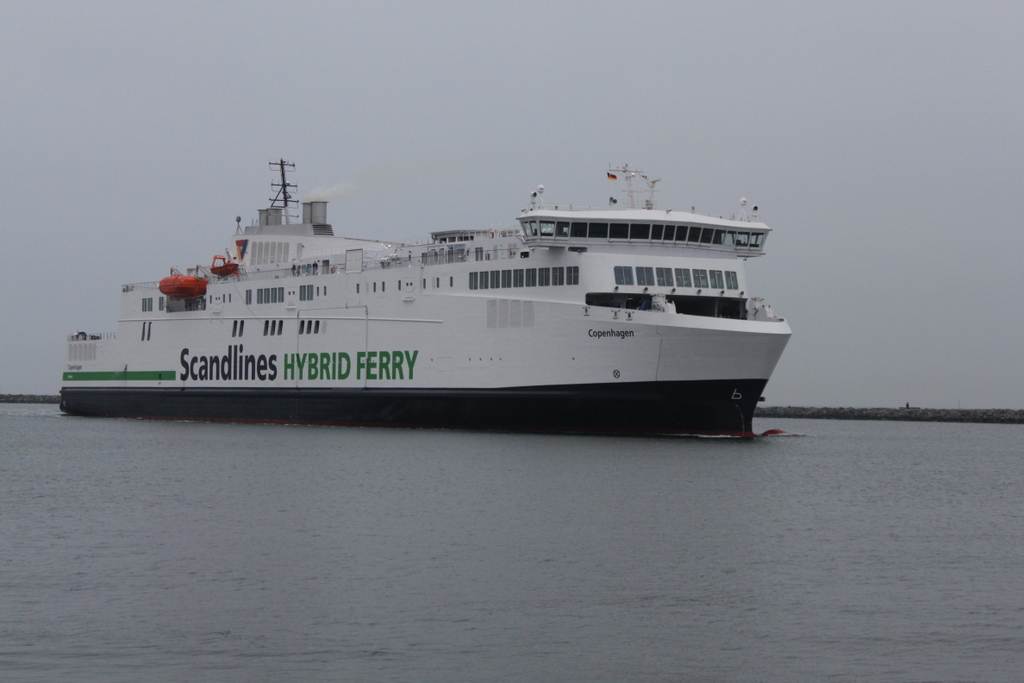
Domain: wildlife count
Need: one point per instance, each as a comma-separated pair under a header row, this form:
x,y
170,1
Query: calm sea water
x,y
860,551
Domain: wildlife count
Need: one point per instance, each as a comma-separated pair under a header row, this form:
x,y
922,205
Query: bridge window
x,y
599,230
547,228
639,231
619,231
578,230
562,229
657,231
756,240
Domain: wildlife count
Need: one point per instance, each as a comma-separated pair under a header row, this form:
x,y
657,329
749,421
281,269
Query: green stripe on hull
x,y
122,376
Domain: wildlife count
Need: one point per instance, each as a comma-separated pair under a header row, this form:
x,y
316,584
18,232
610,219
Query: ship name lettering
x,y
618,334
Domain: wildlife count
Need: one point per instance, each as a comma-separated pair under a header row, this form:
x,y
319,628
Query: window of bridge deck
x,y
639,231
599,230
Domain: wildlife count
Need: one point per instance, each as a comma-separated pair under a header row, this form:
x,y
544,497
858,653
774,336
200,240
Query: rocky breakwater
x,y
28,398
999,416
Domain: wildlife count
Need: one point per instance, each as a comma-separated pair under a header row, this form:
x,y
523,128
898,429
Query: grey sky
x,y
882,142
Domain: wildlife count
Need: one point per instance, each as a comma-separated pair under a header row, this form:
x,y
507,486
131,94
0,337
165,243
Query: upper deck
x,y
641,227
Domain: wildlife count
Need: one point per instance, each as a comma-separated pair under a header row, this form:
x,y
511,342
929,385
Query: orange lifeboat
x,y
225,267
183,287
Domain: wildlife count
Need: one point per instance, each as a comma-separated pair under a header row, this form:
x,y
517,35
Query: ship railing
x,y
91,336
134,286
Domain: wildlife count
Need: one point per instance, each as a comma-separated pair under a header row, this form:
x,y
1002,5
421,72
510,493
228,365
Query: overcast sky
x,y
882,142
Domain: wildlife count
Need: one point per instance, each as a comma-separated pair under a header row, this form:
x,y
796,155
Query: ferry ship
x,y
625,319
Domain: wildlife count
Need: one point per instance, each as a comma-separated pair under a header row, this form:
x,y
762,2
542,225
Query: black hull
x,y
718,407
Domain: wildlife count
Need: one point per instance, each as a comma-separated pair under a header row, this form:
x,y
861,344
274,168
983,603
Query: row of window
x,y
267,295
310,327
693,234
273,327
665,277
239,327
525,277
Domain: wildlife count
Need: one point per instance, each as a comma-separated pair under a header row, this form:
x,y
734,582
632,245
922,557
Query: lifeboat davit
x,y
183,287
223,266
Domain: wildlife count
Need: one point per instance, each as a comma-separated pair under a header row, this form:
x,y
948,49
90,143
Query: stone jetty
x,y
1000,416
28,398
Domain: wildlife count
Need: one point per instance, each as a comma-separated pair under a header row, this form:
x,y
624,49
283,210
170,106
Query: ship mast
x,y
283,195
630,175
